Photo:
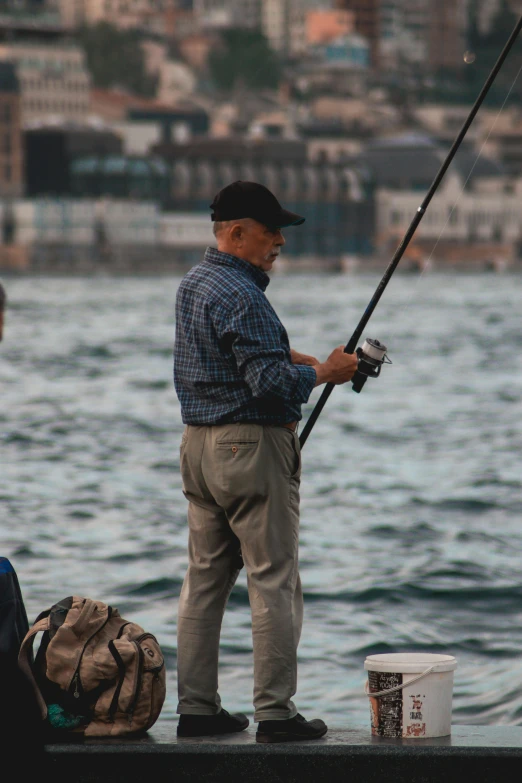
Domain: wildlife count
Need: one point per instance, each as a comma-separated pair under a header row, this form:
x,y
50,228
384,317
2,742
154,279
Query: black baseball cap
x,y
251,200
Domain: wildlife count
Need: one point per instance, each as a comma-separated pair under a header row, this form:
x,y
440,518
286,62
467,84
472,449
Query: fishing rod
x,y
372,355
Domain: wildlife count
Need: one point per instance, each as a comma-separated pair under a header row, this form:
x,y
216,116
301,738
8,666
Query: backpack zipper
x,y
141,667
141,656
121,669
120,632
145,635
76,681
155,680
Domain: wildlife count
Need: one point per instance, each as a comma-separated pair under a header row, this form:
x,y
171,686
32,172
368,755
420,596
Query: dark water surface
x,y
411,495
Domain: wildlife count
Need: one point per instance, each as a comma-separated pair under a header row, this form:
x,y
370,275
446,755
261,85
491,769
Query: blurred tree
x,y
501,26
244,57
486,47
115,58
473,32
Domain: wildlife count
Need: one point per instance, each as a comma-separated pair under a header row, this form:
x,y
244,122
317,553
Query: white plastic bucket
x,y
410,694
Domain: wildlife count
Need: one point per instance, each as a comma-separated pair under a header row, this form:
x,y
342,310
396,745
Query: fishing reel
x,y
372,356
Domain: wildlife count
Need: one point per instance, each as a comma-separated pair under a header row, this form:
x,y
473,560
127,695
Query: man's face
x,y
261,244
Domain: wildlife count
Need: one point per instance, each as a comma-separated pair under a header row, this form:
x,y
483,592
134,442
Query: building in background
x,y
140,178
38,11
446,34
29,19
72,12
336,199
149,15
160,17
83,236
12,255
143,122
11,146
50,152
347,51
390,32
53,77
323,26
430,34
176,82
284,24
474,217
403,33
500,137
228,13
442,122
367,20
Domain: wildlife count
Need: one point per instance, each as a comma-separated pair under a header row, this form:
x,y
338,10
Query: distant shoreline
x,y
289,270
9,274
140,261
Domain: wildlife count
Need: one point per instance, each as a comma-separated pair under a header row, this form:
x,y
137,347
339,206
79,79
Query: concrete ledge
x,y
480,754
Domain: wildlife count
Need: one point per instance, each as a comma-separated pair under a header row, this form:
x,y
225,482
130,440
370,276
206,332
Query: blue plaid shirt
x,y
231,352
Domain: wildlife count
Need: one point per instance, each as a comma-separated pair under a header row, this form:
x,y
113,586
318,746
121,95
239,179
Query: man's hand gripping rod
x,y
351,345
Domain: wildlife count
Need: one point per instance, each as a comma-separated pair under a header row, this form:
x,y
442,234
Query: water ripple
x,y
411,492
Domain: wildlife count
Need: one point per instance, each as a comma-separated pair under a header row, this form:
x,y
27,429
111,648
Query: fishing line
x,y
352,343
426,267
463,189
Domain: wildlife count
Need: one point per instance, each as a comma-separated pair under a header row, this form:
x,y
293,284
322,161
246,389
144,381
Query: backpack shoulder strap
x,y
25,657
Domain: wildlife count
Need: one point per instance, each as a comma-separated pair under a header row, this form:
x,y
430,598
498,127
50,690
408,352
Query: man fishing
x,y
241,388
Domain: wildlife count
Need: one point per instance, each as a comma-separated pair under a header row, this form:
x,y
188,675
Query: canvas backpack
x,y
94,672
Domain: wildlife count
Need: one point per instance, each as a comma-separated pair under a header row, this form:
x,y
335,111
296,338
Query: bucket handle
x,y
399,687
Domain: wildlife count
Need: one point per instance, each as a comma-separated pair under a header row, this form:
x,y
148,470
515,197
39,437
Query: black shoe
x,y
207,725
292,730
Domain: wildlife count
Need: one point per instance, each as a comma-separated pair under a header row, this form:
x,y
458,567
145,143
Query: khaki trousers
x,y
242,484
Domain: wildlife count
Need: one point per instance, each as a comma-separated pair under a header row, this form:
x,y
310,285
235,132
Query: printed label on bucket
x,y
415,726
386,711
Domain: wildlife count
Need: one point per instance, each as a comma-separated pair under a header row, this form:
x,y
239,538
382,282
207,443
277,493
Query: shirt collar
x,y
259,277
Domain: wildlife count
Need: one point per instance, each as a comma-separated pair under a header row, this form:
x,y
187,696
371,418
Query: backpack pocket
x,y
151,663
134,662
64,656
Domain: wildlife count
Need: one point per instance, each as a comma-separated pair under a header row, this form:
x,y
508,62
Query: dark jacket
x,y
19,716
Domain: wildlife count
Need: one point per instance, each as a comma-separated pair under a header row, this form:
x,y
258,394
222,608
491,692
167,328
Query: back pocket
x,y
236,465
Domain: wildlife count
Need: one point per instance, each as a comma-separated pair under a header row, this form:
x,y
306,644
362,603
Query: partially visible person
x,y
20,719
241,388
3,300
